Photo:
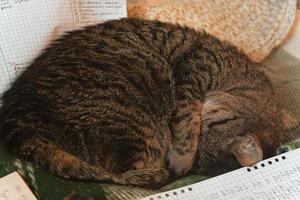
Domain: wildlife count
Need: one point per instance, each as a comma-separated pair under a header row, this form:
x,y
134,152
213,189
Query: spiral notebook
x,y
273,178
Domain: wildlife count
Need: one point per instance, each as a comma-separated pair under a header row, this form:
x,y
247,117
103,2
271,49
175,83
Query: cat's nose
x,y
248,150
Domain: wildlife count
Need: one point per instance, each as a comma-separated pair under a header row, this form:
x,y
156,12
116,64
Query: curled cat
x,y
140,102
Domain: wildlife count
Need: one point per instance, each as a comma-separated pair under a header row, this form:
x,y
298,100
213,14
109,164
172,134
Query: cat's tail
x,y
291,128
153,178
68,166
290,134
63,164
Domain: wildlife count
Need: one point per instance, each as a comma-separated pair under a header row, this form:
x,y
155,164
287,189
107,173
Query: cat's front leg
x,y
185,128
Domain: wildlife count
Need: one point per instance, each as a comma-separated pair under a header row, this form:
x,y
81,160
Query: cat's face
x,y
236,135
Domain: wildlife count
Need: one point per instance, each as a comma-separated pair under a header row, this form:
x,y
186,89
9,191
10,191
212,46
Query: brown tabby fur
x,y
125,101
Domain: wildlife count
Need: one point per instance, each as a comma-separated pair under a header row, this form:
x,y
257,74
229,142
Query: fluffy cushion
x,y
255,26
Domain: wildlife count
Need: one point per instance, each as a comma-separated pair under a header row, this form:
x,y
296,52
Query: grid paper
x,y
28,26
274,178
13,187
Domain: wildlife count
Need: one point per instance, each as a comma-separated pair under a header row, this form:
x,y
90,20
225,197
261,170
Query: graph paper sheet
x,y
27,27
13,187
274,178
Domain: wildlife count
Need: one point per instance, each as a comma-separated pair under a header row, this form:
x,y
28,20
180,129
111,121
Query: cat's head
x,y
238,130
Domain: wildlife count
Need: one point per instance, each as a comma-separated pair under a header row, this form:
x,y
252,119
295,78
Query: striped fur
x,y
125,101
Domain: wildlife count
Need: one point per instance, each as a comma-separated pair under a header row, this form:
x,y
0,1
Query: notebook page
x,y
27,27
13,187
274,178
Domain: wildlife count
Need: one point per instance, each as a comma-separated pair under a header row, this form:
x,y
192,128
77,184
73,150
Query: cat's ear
x,y
247,149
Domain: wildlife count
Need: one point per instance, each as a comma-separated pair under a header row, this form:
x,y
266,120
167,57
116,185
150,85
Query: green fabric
x,y
289,146
44,185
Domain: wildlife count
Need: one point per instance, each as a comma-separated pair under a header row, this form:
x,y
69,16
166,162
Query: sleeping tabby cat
x,y
140,102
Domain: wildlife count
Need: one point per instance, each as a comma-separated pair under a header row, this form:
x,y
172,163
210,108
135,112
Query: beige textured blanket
x,y
255,26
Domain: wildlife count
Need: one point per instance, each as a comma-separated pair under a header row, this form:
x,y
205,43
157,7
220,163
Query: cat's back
x,y
93,81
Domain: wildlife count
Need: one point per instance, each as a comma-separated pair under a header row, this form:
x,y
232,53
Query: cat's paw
x,y
248,150
179,164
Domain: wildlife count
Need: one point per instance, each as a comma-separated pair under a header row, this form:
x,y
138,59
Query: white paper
x,y
274,178
13,187
27,27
